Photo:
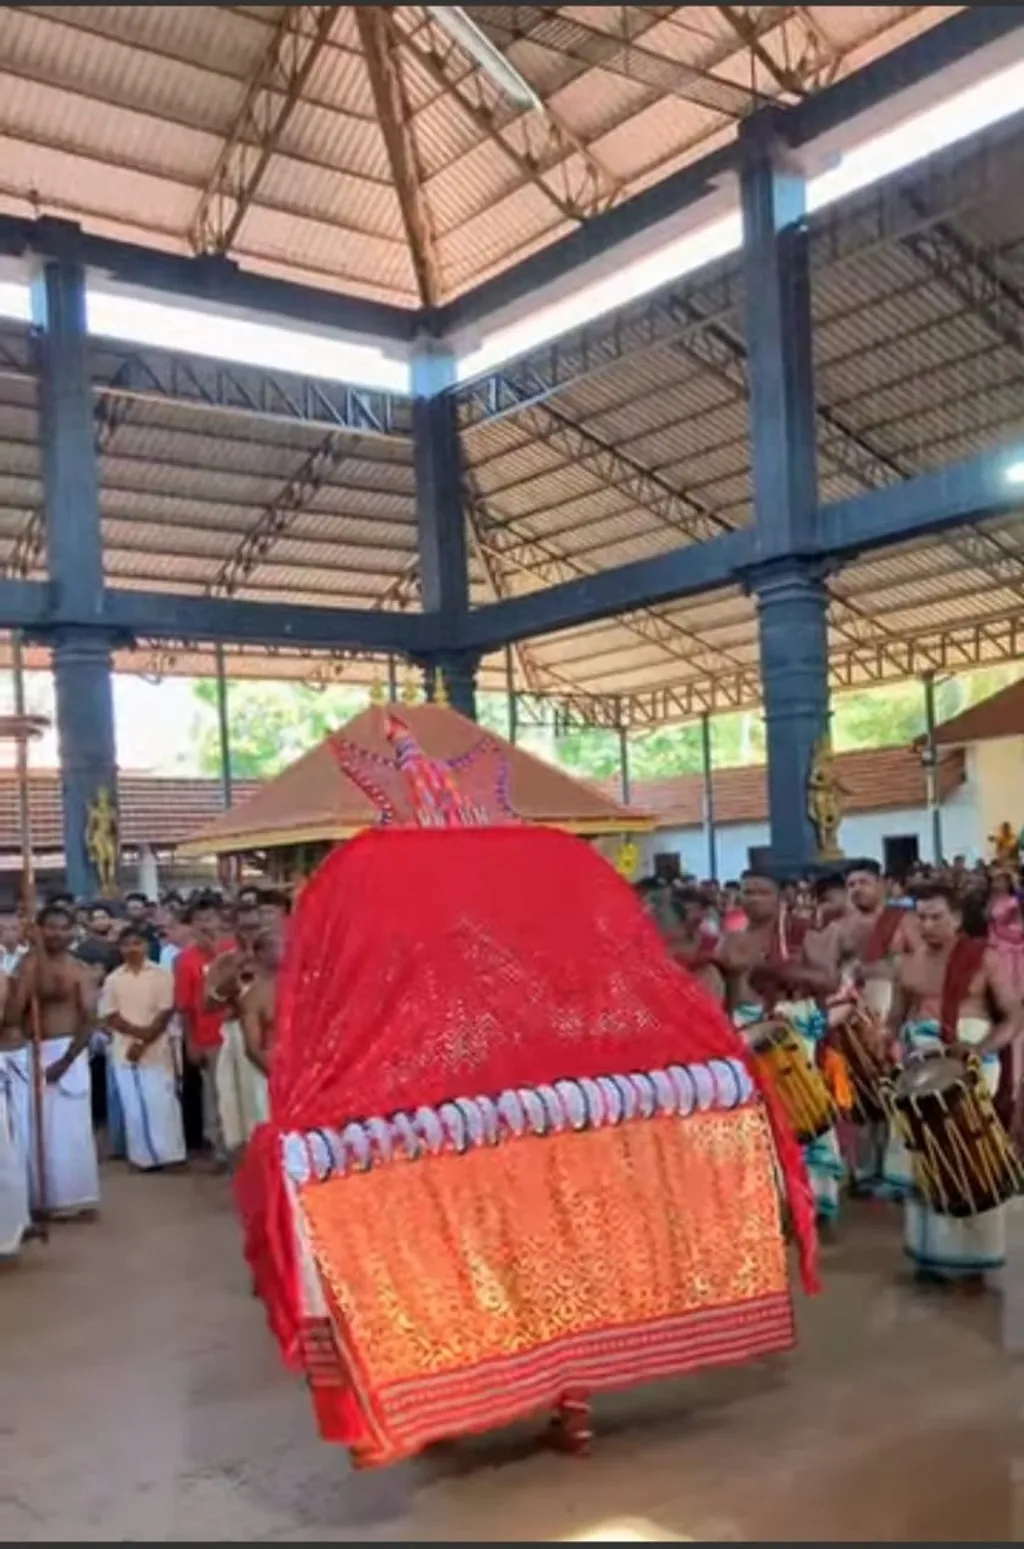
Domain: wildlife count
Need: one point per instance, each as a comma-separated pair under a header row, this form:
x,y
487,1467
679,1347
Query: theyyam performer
x,y
516,1156
865,948
772,984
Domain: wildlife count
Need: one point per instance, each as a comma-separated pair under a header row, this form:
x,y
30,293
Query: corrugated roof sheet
x,y
115,116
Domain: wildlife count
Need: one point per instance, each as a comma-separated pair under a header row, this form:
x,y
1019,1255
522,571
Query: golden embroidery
x,y
450,1261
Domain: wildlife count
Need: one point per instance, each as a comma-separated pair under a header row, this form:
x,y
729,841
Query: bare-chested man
x,y
63,989
950,995
258,1013
768,972
864,948
229,982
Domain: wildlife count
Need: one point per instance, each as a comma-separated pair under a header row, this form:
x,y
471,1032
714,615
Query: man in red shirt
x,y
203,1026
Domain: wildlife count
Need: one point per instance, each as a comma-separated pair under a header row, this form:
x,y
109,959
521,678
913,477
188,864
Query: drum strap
x,y
964,964
883,934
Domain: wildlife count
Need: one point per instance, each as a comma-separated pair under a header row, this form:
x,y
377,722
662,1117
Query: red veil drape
x,y
428,964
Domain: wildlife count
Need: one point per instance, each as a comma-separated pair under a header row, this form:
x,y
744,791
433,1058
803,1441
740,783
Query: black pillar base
x,y
792,610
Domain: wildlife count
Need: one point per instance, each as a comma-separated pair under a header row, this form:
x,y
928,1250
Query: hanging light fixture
x,y
465,32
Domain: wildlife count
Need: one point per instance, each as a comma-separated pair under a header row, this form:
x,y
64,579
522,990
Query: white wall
x,y
995,771
963,833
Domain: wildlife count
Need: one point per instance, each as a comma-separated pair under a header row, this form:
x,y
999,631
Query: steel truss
x,y
271,97
983,643
887,213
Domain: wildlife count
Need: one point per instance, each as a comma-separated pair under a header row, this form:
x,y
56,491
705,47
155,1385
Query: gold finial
x,y
440,689
411,689
627,860
378,693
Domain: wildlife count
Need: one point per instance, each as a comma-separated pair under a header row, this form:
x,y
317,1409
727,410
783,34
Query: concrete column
x,y
85,735
74,546
793,626
437,455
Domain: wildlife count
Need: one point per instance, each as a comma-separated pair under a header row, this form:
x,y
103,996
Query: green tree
x,y
270,724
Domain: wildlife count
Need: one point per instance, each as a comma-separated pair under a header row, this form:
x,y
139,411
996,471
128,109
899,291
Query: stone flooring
x,y
141,1398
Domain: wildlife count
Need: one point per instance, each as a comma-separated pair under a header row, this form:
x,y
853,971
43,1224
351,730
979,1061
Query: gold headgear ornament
x,y
378,693
440,689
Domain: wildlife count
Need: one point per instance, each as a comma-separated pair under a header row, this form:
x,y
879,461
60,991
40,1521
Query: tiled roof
x,y
154,810
316,799
1001,715
874,781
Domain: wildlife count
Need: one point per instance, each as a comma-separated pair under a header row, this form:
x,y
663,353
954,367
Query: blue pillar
x,y
437,455
793,627
74,546
792,603
440,519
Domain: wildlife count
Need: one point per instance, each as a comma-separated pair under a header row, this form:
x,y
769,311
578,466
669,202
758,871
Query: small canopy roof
x,y
315,799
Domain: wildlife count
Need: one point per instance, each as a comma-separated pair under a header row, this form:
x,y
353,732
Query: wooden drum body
x,y
963,1160
859,1038
779,1055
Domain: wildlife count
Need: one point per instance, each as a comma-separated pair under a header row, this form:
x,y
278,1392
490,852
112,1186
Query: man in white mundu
x,y
59,984
15,1130
137,1006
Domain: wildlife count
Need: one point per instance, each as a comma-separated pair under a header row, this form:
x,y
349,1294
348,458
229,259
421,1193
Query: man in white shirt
x,y
136,1008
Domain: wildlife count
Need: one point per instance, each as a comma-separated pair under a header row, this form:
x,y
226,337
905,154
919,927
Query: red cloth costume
x,y
427,972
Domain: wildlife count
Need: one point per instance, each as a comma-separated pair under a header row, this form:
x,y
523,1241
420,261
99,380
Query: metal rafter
x,y
740,20
271,97
547,26
544,150
382,55
533,676
538,558
275,519
959,648
679,511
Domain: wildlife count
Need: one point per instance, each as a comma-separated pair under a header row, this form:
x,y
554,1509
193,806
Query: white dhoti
x,y
72,1175
15,1133
942,1246
154,1130
238,1095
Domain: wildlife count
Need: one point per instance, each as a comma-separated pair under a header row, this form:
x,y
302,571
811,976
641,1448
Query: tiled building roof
x,y
154,810
877,780
163,812
316,799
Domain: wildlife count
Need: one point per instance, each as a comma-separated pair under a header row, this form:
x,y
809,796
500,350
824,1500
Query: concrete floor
x,y
141,1398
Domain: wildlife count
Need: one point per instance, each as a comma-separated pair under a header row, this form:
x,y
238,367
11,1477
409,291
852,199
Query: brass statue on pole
x,y
102,840
824,801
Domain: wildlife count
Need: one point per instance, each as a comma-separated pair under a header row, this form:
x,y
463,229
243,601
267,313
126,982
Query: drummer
x,y
946,991
865,947
770,973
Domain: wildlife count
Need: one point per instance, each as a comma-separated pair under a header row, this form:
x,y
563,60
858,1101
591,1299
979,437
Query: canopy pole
x,y
707,769
224,727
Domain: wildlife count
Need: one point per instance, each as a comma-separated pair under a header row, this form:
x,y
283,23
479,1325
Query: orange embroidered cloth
x,y
468,1290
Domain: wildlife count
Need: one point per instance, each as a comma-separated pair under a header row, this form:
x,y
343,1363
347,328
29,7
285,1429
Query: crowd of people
x,y
146,1024
869,974
152,1022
